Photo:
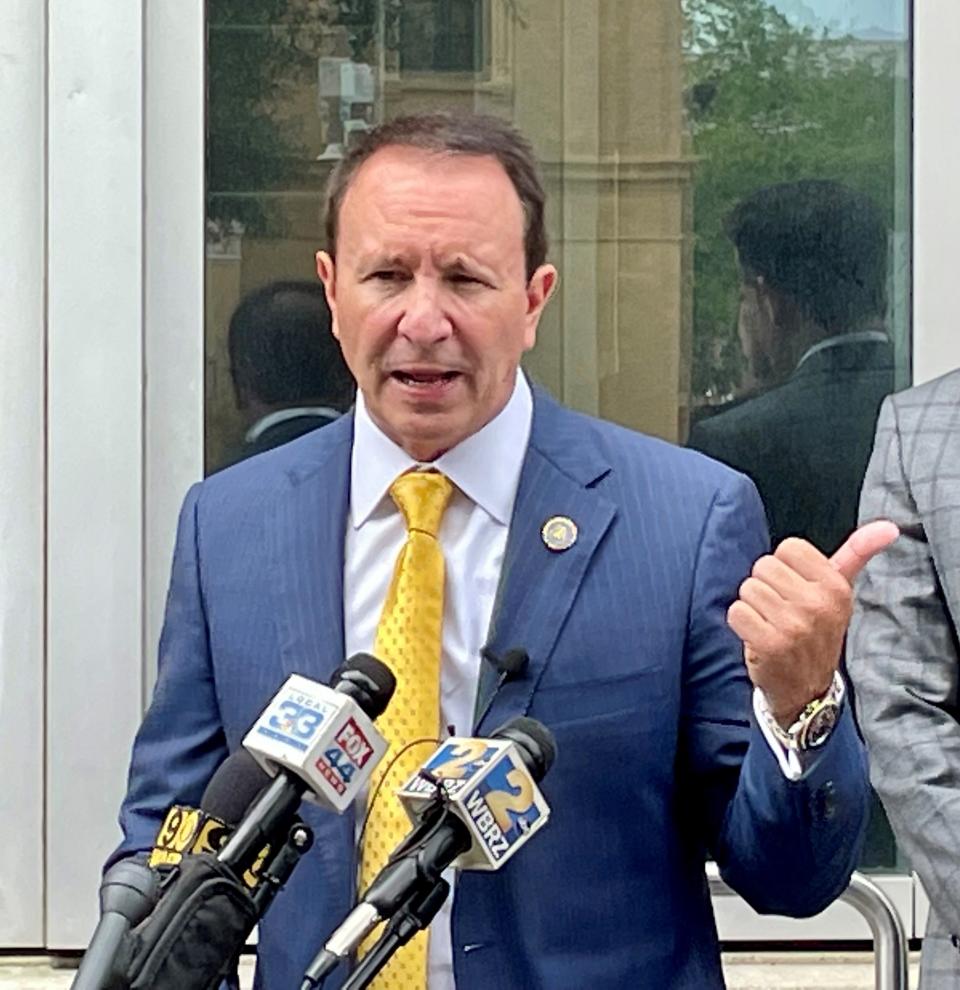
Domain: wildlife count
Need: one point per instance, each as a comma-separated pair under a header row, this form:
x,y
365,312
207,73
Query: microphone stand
x,y
408,892
414,916
277,872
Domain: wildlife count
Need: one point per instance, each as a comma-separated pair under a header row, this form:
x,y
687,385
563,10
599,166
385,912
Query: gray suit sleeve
x,y
903,660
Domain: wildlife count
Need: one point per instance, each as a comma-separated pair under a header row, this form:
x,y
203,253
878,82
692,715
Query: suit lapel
x,y
307,534
940,433
539,586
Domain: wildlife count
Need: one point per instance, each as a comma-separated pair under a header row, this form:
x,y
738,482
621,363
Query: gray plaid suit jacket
x,y
903,655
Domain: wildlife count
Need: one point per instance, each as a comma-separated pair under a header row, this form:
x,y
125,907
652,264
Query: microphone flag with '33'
x,y
317,745
207,908
473,804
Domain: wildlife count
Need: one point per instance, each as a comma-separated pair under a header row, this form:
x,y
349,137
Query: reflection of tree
x,y
249,67
261,55
260,52
769,102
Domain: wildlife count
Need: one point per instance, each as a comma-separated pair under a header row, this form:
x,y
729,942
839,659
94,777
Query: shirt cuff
x,y
789,759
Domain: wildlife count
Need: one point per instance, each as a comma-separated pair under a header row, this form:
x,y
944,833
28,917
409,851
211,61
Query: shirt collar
x,y
282,415
840,339
376,460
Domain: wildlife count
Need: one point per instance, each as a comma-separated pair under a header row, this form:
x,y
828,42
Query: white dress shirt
x,y
485,468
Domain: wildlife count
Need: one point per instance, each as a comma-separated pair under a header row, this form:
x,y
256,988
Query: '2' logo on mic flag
x,y
488,786
457,763
504,807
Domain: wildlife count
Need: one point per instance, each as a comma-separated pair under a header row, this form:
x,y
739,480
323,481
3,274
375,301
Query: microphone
x,y
128,894
190,831
319,744
490,785
508,665
213,897
130,889
473,804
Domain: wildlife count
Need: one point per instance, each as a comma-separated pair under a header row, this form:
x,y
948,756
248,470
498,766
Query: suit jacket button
x,y
825,802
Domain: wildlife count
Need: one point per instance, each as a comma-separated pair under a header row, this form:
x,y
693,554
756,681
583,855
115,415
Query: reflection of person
x,y
288,372
437,278
903,654
813,263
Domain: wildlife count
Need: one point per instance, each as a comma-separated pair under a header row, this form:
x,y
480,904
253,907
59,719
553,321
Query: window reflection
x,y
441,36
674,135
288,374
812,272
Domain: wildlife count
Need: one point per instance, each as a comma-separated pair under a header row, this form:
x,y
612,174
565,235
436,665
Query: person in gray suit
x,y
903,651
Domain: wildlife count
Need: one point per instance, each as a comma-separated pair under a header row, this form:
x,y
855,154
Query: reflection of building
x,y
442,35
600,95
598,89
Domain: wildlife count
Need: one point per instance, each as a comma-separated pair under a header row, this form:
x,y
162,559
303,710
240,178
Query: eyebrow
x,y
460,265
375,261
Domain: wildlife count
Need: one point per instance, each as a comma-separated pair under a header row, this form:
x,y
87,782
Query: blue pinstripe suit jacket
x,y
631,665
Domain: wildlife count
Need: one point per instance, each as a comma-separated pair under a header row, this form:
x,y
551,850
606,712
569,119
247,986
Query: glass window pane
x,y
729,208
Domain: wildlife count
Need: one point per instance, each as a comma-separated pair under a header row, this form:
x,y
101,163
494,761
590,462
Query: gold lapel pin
x,y
559,533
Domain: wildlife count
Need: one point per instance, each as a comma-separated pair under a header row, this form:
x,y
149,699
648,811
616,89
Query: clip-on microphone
x,y
508,665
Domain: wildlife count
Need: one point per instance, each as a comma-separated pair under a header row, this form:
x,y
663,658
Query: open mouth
x,y
424,379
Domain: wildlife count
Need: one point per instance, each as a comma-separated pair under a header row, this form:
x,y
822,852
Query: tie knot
x,y
422,497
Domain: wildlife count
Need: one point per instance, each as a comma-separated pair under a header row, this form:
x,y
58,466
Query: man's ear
x,y
768,301
539,290
327,272
781,314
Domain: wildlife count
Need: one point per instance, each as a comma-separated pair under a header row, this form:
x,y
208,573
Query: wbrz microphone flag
x,y
489,788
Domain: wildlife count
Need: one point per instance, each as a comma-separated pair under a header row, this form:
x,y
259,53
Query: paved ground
x,y
805,971
761,971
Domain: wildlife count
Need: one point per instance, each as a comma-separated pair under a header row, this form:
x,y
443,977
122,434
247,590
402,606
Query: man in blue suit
x,y
627,607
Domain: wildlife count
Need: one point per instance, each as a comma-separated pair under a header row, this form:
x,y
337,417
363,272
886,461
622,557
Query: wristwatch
x,y
814,724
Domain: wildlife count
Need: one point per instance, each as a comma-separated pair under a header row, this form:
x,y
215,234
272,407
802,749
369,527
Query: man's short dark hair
x,y
458,134
282,350
820,243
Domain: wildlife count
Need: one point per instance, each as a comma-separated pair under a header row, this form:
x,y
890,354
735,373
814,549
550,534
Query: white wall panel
x,y
22,339
95,476
174,262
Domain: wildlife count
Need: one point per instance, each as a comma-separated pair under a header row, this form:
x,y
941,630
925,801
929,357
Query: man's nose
x,y
424,319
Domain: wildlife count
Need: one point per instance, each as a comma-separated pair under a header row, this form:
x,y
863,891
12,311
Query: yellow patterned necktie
x,y
408,640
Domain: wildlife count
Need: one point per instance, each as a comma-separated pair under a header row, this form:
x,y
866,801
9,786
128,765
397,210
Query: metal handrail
x,y
889,938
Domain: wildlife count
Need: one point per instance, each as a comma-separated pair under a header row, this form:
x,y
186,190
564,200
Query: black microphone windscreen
x,y
369,681
508,664
238,780
129,888
535,741
513,661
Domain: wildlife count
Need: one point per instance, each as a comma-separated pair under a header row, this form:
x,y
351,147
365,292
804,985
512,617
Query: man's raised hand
x,y
793,612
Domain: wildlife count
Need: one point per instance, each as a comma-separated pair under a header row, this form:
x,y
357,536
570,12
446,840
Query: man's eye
x,y
388,276
461,278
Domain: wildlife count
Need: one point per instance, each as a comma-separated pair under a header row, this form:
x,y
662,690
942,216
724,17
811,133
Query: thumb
x,y
863,544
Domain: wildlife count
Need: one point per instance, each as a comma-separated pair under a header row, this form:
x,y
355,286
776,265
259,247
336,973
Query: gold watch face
x,y
819,725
